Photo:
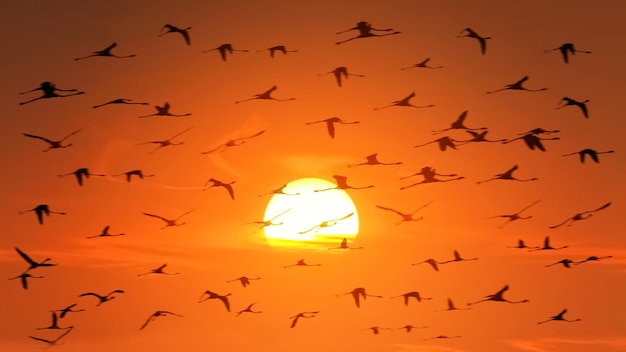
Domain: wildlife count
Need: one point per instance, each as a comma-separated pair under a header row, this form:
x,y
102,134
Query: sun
x,y
312,214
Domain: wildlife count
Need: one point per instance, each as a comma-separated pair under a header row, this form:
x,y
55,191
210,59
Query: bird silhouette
x,y
326,224
409,327
54,144
517,86
244,280
459,125
498,297
376,329
344,245
441,337
593,154
67,309
432,262
24,279
580,216
158,270
412,294
40,211
532,141
457,258
120,101
55,341
479,137
522,245
49,90
566,263
80,173
267,95
443,143
277,48
508,175
330,124
373,160
217,183
164,111
339,73
31,263
105,233
471,34
342,183
270,222
54,325
225,49
422,64
168,28
249,310
300,262
592,259
566,49
515,216
357,294
451,306
106,52
166,142
168,222
233,143
301,315
405,102
406,217
131,173
539,131
158,313
547,246
428,173
102,299
365,31
571,102
280,190
212,295
559,317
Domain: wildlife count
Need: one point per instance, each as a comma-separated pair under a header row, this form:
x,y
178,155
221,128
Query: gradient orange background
x,y
42,38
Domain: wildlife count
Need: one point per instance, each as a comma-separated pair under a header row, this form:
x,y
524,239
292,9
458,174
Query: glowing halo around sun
x,y
304,211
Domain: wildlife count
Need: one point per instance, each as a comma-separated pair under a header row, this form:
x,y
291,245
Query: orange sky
x,y
215,245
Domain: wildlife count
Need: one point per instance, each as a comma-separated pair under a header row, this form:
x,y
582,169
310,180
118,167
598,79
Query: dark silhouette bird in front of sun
x,y
326,224
344,245
342,183
498,297
330,124
451,306
412,294
357,294
301,315
365,31
538,131
429,174
559,317
517,86
217,183
131,173
24,279
582,105
441,337
406,217
432,262
233,143
244,280
225,49
567,49
248,310
410,327
158,313
593,258
339,73
105,233
300,262
373,160
566,263
168,222
270,222
443,143
67,310
472,34
459,125
54,144
515,216
532,141
267,95
376,329
521,245
120,101
277,48
164,111
80,173
479,137
102,299
422,64
280,190
106,52
405,102
31,263
457,258
40,211
49,90
54,342
54,325
207,295
580,216
166,142
593,154
508,175
547,246
168,28
159,270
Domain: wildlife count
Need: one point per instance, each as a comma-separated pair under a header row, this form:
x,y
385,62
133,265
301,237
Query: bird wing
x,y
330,125
90,294
389,209
295,320
26,257
38,137
602,207
150,318
345,217
71,134
156,216
226,303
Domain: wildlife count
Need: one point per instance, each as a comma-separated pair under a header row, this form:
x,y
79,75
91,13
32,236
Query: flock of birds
x,y
533,139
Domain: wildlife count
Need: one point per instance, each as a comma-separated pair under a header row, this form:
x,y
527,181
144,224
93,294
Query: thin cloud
x,y
424,348
550,344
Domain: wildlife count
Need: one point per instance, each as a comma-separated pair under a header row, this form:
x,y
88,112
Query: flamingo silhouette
x,y
164,111
158,313
532,141
267,95
471,34
80,173
233,143
422,64
300,262
566,49
166,142
547,246
40,210
344,245
301,315
339,73
412,294
559,317
342,183
105,52
326,224
105,233
49,90
122,101
102,299
212,295
406,217
365,31
330,124
432,262
24,279
373,160
217,183
280,190
593,154
443,143
52,342
244,280
441,337
67,309
376,329
405,102
54,144
168,28
410,327
498,297
279,48
451,306
457,258
515,216
459,125
571,102
54,325
566,263
357,294
479,137
522,245
158,270
592,258
131,173
580,216
249,310
225,49
429,174
517,86
508,175
31,263
270,222
168,222
539,131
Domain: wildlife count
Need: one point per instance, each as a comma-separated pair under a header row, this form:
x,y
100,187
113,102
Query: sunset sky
x,y
217,243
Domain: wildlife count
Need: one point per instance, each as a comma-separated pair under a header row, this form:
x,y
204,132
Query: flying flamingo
x,y
280,190
158,313
233,143
54,325
80,173
559,317
270,222
225,49
522,245
131,173
581,104
54,144
458,125
376,329
67,309
244,280
410,327
31,263
212,295
119,101
340,72
539,131
217,183
280,48
443,143
106,52
580,216
357,294
325,224
441,337
457,258
406,217
497,297
508,175
249,310
344,245
471,34
479,137
429,177
49,90
40,210
166,142
158,270
330,124
24,277
365,31
168,222
412,294
451,306
267,95
593,154
566,49
532,141
373,160
517,86
547,246
432,262
301,315
566,263
515,216
105,233
168,28
52,342
300,263
102,299
405,102
592,258
342,183
422,64
164,111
